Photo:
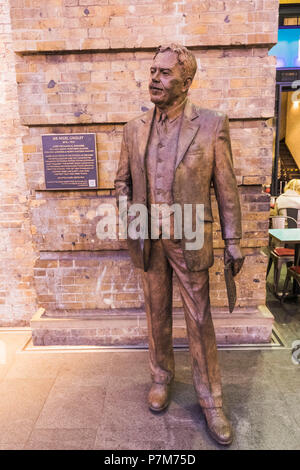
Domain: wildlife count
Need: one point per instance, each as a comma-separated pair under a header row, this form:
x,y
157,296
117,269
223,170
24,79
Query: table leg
x,y
296,287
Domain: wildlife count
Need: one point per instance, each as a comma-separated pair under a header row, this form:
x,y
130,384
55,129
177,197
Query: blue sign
x,y
287,50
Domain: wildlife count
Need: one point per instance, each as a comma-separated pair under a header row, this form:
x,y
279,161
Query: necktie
x,y
163,123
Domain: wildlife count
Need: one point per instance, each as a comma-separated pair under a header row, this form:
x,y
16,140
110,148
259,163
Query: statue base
x,y
129,328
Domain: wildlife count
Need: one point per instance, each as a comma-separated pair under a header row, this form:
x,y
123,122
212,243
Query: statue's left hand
x,y
233,255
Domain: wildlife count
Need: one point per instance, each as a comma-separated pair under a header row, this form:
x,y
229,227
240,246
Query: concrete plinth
x,y
99,328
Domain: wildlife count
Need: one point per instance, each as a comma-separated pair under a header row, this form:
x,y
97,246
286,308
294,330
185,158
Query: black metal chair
x,y
292,273
282,255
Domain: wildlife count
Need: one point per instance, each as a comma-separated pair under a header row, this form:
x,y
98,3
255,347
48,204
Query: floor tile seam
x,y
9,367
292,415
42,407
4,376
103,407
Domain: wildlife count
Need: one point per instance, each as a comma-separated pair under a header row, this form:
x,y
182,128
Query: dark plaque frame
x,y
70,161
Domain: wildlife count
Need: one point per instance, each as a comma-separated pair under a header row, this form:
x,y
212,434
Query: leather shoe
x,y
218,425
159,396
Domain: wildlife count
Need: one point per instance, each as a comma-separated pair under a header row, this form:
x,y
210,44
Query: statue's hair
x,y
186,58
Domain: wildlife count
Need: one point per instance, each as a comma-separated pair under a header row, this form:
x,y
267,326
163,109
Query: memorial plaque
x,y
70,161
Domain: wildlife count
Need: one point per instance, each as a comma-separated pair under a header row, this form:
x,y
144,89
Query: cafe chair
x,y
292,273
279,256
282,255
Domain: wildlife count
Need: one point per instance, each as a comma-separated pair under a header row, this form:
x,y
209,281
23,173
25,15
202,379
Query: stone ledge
x,y
243,326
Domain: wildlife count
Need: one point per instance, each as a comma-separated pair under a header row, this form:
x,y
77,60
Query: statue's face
x,y
166,84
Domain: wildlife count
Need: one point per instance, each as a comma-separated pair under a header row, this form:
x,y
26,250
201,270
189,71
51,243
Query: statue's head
x,y
171,74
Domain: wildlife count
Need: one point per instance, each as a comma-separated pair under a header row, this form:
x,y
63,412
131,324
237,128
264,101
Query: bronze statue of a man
x,y
171,155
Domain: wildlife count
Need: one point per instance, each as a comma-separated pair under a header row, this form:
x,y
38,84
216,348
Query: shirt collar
x,y
173,113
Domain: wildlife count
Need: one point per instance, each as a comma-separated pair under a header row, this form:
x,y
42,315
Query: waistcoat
x,y
160,161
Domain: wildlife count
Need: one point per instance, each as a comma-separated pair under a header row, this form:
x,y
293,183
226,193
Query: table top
x,y
291,235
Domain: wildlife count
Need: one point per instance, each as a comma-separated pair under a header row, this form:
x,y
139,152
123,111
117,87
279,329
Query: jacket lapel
x,y
144,134
188,130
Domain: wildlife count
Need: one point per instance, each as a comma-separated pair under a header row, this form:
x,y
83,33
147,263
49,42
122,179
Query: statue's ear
x,y
187,83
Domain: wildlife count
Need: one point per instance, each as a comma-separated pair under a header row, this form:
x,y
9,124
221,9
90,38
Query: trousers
x,y
167,256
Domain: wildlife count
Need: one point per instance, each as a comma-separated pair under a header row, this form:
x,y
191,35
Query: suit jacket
x,y
203,156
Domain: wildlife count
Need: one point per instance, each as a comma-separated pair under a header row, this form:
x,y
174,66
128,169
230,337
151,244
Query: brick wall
x,y
102,87
107,281
17,295
82,66
111,24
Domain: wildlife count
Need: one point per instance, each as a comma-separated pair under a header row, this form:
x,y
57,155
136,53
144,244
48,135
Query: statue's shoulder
x,y
204,113
142,118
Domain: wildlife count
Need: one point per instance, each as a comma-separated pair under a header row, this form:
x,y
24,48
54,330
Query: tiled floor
x,y
287,315
97,400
